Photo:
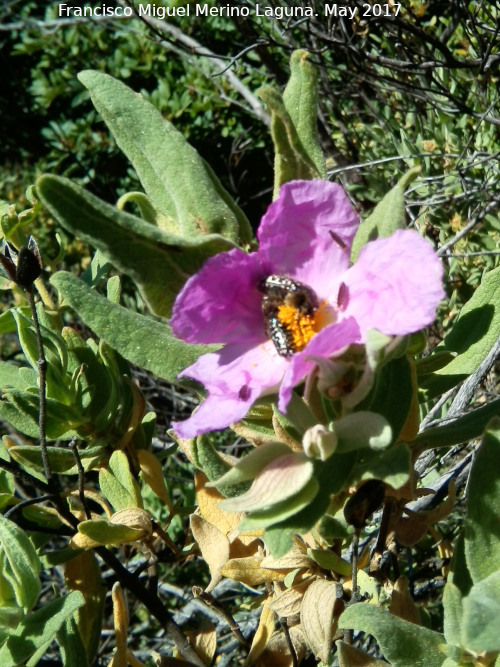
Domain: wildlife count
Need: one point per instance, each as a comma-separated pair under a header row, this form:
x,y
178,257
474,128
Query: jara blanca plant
x,y
307,343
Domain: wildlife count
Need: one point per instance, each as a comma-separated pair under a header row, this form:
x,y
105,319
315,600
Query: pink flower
x,y
306,236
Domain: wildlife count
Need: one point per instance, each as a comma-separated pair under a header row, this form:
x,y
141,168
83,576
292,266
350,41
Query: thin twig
x,y
81,477
27,503
289,643
42,370
213,604
153,604
354,564
469,226
19,473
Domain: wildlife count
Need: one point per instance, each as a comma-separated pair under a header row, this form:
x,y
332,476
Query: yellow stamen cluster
x,y
302,327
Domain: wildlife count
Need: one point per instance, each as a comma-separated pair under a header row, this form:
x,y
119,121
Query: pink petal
x,y
395,286
221,303
295,234
325,344
235,377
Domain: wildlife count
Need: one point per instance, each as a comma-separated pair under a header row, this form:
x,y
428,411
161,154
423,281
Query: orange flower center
x,y
301,326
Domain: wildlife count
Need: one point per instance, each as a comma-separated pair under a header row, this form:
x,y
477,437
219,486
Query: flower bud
x,y
319,442
23,266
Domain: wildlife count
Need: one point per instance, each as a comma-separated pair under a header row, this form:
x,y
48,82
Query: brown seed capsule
x,y
366,500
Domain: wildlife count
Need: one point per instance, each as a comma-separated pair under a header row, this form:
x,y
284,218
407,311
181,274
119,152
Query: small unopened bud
x,y
319,442
23,266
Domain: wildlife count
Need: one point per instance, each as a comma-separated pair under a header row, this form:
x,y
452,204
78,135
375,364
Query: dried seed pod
x,y
366,500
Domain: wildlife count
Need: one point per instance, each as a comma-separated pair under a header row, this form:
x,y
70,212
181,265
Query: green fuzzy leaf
x,y
402,643
291,160
158,262
60,557
20,409
113,289
7,324
460,575
329,560
472,337
332,528
207,458
21,566
333,476
362,430
392,466
463,429
83,574
278,540
10,376
176,179
280,511
434,362
147,211
30,640
481,611
300,98
61,460
94,381
71,645
482,534
250,465
453,611
142,340
387,216
42,516
10,617
392,394
7,485
118,485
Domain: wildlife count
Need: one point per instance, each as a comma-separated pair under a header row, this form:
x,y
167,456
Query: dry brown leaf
x,y
133,517
262,635
412,528
288,602
402,604
294,559
204,641
238,548
153,475
319,615
214,547
120,622
352,657
277,653
250,571
208,503
79,541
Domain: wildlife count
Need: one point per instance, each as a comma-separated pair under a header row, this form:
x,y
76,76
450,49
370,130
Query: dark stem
x,y
21,474
384,526
288,639
154,605
42,371
212,602
26,503
354,565
81,479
